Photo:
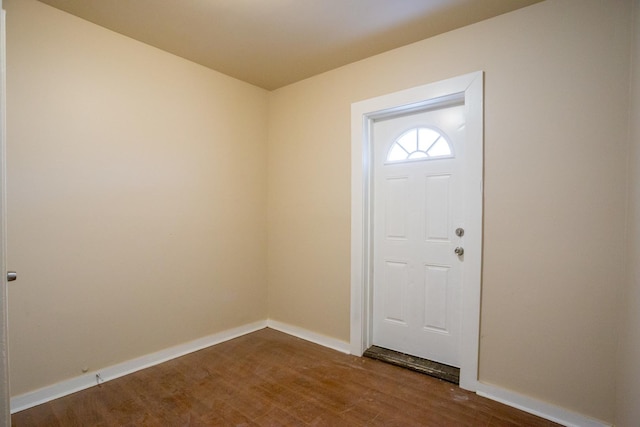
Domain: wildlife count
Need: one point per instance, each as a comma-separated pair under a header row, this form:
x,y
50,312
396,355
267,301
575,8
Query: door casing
x,y
5,416
470,88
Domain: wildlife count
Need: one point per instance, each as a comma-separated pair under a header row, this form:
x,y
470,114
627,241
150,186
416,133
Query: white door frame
x,y
5,416
363,114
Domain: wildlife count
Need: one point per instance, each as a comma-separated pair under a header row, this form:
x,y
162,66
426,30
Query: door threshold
x,y
418,364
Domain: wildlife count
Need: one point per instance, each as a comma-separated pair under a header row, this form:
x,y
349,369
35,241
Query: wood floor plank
x,y
268,378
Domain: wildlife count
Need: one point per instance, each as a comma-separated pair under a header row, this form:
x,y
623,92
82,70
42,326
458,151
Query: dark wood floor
x,y
268,378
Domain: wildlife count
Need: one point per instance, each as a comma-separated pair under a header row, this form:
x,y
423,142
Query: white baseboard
x,y
537,407
323,340
45,394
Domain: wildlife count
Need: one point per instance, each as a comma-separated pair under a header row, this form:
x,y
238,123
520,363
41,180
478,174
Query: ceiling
x,y
272,43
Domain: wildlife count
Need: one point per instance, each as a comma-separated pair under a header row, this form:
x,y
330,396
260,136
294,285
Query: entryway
x,y
417,230
417,223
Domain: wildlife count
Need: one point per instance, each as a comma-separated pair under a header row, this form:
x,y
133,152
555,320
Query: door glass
x,y
420,143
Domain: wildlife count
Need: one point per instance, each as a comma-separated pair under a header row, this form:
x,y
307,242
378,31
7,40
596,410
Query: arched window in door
x,y
420,143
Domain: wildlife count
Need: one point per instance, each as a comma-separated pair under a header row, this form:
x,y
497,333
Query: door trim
x,y
5,416
363,114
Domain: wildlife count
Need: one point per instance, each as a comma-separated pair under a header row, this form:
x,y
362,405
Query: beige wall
x,y
556,88
136,194
628,386
137,197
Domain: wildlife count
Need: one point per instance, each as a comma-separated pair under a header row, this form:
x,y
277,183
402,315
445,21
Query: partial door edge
x,y
363,114
5,412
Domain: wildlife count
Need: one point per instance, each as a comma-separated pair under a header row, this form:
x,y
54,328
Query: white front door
x,y
417,208
368,117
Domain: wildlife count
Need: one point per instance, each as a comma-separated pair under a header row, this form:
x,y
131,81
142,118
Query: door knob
x,y
11,276
459,251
